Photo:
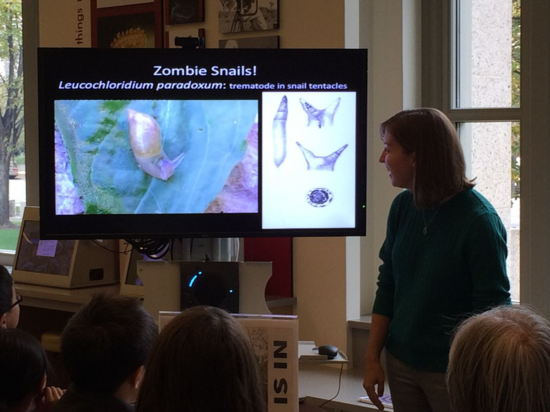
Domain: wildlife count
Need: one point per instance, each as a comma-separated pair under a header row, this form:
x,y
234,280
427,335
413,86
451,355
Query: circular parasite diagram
x,y
319,197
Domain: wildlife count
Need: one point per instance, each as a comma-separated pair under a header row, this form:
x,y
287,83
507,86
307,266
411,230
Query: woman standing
x,y
444,258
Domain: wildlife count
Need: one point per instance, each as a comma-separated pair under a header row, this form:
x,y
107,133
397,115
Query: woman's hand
x,y
374,382
46,402
374,373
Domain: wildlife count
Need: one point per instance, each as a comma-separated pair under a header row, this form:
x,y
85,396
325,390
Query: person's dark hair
x,y
202,362
6,288
500,362
440,170
106,341
23,364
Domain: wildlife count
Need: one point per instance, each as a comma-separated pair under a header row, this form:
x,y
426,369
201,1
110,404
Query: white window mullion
x,y
533,116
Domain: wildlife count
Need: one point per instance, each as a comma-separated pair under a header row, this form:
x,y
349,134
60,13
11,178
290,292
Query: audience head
x,y
9,301
202,362
23,367
440,170
500,362
107,342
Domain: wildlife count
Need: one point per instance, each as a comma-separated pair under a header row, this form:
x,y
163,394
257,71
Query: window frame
x,y
533,115
30,41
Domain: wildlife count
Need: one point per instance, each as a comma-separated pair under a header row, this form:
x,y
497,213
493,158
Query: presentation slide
x,y
269,141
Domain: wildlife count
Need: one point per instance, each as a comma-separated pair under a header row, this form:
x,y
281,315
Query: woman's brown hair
x,y
202,362
440,170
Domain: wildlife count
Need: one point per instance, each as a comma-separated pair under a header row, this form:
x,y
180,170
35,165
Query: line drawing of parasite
x,y
279,132
319,115
315,162
145,140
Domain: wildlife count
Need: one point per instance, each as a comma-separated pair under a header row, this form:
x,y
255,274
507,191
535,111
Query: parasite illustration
x,y
145,140
315,162
319,197
319,116
279,132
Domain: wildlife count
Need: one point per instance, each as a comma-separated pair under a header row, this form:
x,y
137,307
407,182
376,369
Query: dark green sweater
x,y
429,283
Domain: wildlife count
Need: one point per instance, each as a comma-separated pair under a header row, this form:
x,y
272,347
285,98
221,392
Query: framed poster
x,y
101,4
135,26
236,16
266,42
183,11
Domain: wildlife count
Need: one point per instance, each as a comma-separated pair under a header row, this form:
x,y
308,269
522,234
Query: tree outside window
x,y
11,114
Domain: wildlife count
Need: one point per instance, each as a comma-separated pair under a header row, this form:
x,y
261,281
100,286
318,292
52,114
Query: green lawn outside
x,y
8,238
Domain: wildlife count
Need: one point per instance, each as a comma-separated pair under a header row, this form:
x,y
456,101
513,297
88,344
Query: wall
x,y
334,278
304,24
385,99
319,263
320,288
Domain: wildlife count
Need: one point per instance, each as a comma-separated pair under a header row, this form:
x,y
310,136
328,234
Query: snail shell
x,y
145,140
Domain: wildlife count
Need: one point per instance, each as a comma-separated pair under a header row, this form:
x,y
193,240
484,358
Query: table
x,y
65,300
70,300
319,383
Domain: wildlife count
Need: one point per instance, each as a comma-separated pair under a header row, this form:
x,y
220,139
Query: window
x,y
483,70
484,63
488,149
486,53
12,150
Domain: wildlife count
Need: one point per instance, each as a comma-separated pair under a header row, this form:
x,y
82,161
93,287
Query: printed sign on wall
x,y
76,28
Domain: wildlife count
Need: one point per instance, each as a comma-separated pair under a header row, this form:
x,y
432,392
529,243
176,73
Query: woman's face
x,y
10,319
400,165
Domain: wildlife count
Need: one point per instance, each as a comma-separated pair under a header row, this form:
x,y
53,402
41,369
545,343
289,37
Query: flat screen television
x,y
178,143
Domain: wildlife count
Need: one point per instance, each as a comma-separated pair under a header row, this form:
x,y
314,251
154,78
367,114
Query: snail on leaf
x,y
145,140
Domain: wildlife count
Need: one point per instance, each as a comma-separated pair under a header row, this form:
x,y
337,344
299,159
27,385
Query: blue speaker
x,y
210,283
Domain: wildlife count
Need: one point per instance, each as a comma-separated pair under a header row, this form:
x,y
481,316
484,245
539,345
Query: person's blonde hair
x,y
500,362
